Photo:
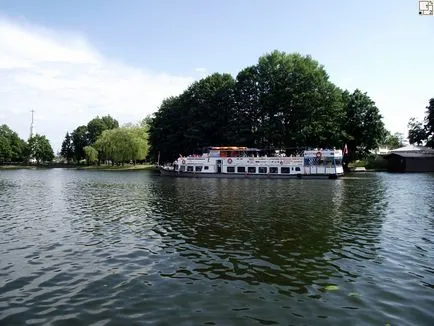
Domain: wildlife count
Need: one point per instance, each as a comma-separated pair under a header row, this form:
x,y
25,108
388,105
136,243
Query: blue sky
x,y
154,49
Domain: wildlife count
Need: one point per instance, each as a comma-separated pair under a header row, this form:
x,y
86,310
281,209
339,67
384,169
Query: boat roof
x,y
233,148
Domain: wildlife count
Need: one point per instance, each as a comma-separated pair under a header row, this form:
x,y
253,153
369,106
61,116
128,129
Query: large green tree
x,y
124,144
285,101
67,149
363,125
96,126
91,154
40,149
416,132
12,147
421,132
79,141
199,117
429,123
5,149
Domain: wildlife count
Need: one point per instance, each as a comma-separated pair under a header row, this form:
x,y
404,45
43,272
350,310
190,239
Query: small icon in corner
x,y
426,7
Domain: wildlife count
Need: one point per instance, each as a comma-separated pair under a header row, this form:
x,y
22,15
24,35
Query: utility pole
x,y
31,125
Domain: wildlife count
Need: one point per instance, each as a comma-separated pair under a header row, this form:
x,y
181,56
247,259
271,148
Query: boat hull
x,y
172,173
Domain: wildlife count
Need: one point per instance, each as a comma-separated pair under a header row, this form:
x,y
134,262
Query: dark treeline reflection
x,y
286,232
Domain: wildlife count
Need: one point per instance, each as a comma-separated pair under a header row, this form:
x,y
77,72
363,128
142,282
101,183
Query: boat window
x,y
297,168
189,168
230,169
284,170
251,169
262,169
182,168
274,169
241,169
198,168
338,161
205,167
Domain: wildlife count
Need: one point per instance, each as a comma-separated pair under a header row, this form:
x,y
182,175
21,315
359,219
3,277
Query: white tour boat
x,y
242,162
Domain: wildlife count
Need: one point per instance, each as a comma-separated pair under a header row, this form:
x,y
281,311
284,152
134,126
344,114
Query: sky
x,y
73,60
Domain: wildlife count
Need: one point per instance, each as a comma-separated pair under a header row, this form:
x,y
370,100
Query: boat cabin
x,y
252,161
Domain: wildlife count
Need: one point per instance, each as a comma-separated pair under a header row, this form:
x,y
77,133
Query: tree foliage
x,y
393,141
86,135
96,126
429,123
363,125
416,132
124,144
195,119
67,150
285,101
91,154
40,149
421,132
79,142
12,147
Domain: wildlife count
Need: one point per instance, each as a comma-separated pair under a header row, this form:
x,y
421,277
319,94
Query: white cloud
x,y
201,70
67,83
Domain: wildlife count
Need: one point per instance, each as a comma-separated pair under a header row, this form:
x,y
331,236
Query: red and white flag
x,y
345,149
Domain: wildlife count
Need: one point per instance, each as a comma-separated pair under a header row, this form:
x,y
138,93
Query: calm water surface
x,y
132,248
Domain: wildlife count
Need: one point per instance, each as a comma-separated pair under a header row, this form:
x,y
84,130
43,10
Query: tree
x,y
128,143
91,154
429,123
286,100
40,149
199,117
363,126
419,132
393,141
79,141
5,149
416,132
67,150
96,126
12,147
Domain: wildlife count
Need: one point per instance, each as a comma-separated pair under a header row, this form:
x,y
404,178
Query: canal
x,y
124,248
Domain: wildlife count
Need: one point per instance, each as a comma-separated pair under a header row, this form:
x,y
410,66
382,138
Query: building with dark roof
x,y
411,159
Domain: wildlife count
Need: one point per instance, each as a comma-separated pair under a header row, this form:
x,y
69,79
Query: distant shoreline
x,y
127,167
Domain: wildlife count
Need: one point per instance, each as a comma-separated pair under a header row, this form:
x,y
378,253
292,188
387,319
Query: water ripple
x,y
100,248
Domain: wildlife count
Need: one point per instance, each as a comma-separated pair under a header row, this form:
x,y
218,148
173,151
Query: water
x,y
133,248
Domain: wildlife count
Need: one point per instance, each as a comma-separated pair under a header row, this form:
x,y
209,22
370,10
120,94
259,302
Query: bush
x,y
376,162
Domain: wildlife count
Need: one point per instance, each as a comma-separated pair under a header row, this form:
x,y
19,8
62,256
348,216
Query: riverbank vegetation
x,y
13,149
285,101
103,141
423,132
125,167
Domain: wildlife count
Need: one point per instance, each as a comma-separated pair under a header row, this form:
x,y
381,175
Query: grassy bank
x,y
15,167
372,163
126,167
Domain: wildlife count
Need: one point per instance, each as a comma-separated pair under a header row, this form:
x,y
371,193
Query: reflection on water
x,y
123,248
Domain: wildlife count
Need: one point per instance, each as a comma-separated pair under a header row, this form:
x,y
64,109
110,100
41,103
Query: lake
x,y
135,248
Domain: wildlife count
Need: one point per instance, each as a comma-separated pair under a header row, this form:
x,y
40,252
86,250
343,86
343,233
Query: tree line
x,y
285,101
102,140
13,149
